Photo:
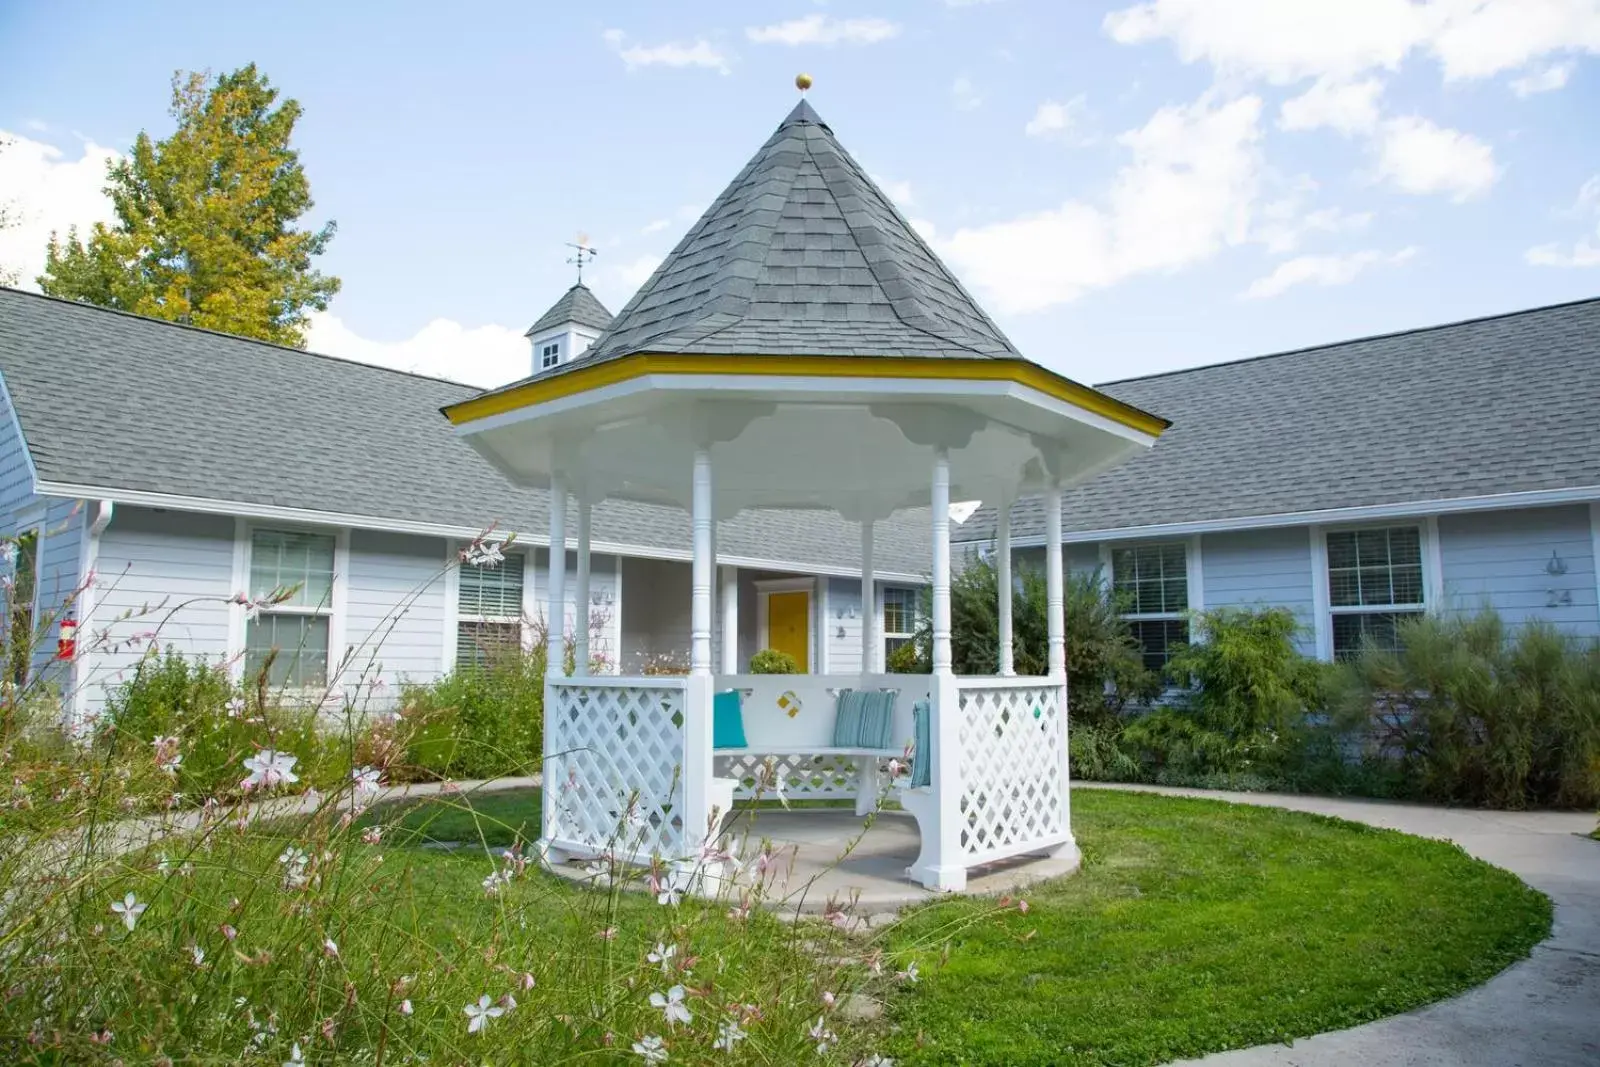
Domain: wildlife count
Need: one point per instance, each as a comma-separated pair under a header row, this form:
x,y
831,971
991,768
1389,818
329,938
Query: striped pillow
x,y
847,719
922,752
877,720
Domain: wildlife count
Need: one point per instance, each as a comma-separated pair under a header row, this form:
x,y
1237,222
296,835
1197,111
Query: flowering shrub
x,y
202,877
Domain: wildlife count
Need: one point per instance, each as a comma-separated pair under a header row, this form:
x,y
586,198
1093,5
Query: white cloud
x,y
1282,223
485,356
821,29
1283,42
965,94
699,53
655,226
1054,118
1585,252
1185,194
1417,156
1322,270
900,192
634,272
1544,80
44,191
1348,107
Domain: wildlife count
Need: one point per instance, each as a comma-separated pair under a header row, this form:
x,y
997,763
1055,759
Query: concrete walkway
x,y
1542,1012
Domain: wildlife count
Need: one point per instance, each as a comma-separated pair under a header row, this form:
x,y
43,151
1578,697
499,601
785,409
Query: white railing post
x,y
554,766
1002,574
580,594
869,602
940,864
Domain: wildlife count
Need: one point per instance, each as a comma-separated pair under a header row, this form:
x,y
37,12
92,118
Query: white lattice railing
x,y
1013,789
607,739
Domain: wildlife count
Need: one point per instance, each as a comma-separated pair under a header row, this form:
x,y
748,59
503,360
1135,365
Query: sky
x,y
1128,188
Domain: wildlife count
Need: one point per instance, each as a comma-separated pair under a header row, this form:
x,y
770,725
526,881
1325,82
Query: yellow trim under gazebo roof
x,y
614,371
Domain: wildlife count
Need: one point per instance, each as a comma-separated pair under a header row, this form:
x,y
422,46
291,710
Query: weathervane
x,y
584,253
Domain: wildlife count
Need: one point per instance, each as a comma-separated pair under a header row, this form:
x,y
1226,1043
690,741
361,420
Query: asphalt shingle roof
x,y
117,401
577,305
1495,405
802,254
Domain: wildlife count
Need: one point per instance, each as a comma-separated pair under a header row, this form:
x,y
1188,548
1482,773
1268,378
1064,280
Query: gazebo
x,y
803,348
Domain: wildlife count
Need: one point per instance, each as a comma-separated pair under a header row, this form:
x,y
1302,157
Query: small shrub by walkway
x,y
1197,926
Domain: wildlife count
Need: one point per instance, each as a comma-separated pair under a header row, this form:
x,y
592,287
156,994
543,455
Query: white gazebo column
x,y
556,584
554,766
1002,573
1054,600
1055,608
730,619
580,594
940,863
700,792
870,645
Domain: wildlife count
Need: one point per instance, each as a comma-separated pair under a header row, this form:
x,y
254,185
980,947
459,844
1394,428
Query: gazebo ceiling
x,y
806,333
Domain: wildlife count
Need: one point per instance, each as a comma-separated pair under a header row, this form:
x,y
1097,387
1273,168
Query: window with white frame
x,y
899,618
549,355
1151,585
1374,582
489,611
289,639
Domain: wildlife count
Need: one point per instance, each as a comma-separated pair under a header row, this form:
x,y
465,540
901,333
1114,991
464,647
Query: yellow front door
x,y
789,625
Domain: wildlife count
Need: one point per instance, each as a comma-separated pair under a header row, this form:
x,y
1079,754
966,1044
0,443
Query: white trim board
x,y
310,517
1414,510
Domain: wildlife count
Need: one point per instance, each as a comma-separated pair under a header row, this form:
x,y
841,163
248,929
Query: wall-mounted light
x,y
1557,565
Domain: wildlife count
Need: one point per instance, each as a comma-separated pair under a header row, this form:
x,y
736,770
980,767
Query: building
x,y
1441,469
180,467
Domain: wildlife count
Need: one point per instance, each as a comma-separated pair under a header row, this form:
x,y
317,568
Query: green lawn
x,y
1197,926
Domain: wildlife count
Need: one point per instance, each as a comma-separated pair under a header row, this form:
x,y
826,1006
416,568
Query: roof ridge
x,y
1381,336
233,336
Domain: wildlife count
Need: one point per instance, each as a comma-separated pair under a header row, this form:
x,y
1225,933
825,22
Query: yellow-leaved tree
x,y
206,220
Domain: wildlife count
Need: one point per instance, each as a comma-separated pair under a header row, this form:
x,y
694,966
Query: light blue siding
x,y
1503,559
16,476
1081,559
394,613
1261,568
844,634
605,627
60,559
165,572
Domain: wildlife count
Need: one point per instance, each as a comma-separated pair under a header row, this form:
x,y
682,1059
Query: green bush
x,y
1244,691
478,721
1105,673
771,661
217,726
1474,713
907,658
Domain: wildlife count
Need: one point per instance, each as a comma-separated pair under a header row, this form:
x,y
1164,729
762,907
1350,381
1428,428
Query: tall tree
x,y
205,231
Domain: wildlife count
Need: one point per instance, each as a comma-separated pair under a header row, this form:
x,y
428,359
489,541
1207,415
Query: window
x,y
24,583
290,638
1374,582
549,355
1151,583
899,618
489,611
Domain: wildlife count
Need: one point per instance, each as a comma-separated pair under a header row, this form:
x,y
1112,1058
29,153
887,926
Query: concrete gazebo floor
x,y
816,869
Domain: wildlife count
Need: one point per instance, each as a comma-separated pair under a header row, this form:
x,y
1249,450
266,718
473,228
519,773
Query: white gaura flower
x,y
824,1037
669,896
728,1035
671,1005
296,1057
405,1006
269,769
366,780
663,954
479,1014
910,973
329,949
651,1049
197,954
130,909
483,554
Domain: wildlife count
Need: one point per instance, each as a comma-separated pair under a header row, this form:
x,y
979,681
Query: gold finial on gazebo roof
x,y
802,82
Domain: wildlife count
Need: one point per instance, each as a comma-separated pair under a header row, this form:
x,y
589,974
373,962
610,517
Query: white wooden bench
x,y
865,761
